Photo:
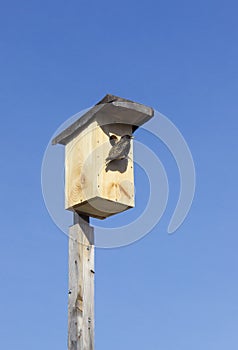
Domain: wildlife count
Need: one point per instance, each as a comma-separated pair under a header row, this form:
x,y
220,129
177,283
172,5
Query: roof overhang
x,y
114,110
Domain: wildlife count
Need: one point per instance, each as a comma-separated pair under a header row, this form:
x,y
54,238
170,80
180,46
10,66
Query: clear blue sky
x,y
57,57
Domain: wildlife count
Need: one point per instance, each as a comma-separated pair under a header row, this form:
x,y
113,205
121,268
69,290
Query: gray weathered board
x,y
113,108
81,286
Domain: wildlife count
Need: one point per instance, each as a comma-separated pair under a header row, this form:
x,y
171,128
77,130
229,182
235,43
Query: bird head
x,y
127,137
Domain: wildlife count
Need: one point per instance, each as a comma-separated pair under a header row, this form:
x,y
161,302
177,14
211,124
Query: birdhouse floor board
x,y
100,208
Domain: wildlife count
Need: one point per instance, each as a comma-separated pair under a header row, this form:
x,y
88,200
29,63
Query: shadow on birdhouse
x,y
117,165
99,174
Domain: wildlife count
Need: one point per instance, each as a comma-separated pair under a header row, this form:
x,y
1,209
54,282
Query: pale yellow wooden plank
x,y
81,287
87,177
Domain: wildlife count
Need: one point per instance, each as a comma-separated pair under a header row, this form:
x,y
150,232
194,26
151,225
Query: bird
x,y
120,149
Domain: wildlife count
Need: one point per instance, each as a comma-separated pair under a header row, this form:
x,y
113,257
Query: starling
x,y
120,150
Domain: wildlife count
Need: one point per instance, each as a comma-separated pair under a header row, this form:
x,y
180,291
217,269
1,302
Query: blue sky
x,y
165,291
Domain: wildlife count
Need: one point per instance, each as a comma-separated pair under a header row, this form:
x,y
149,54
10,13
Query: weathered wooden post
x,y
99,182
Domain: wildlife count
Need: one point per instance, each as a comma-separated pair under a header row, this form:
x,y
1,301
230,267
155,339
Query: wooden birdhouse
x,y
99,176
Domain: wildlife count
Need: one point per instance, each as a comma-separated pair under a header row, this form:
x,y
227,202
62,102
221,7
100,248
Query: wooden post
x,y
81,285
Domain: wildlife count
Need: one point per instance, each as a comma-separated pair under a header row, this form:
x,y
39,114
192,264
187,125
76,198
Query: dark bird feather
x,y
120,150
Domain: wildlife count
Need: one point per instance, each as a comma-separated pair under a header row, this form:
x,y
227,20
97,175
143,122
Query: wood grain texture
x,y
92,187
81,287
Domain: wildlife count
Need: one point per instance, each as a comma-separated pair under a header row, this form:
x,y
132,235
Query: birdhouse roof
x,y
115,110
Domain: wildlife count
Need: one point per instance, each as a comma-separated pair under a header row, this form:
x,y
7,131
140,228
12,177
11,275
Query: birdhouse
x,y
99,175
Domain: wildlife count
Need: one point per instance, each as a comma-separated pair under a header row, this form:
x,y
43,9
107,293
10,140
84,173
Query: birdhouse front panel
x,y
99,174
